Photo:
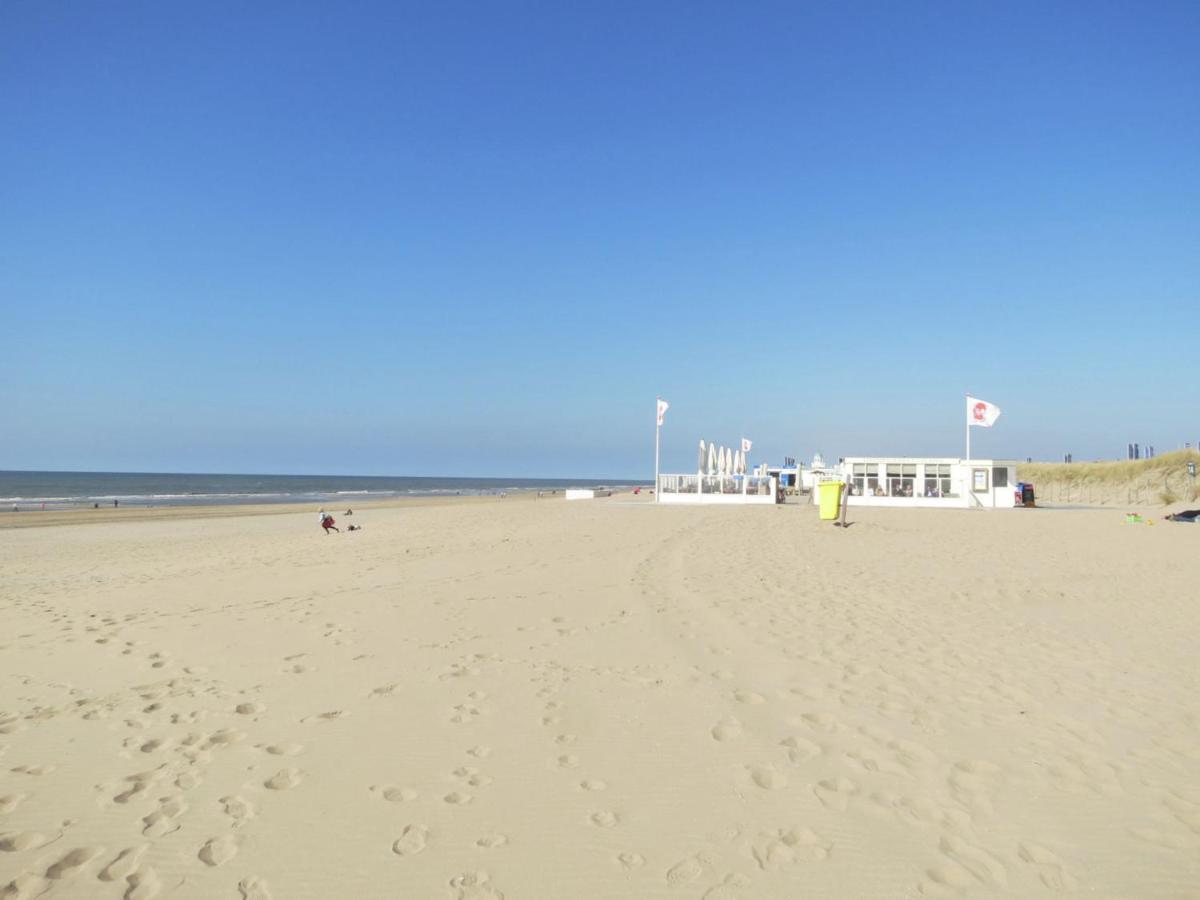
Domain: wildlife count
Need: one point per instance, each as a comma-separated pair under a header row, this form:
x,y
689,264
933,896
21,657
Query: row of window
x,y
901,480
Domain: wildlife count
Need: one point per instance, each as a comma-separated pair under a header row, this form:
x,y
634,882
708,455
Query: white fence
x,y
716,489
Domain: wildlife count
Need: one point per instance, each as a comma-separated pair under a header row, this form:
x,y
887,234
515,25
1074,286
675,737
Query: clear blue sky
x,y
479,238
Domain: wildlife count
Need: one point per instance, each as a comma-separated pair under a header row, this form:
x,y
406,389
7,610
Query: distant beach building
x,y
818,471
916,481
788,477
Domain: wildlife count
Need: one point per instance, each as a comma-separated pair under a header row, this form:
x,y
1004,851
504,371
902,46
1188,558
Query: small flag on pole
x,y
746,445
981,413
663,406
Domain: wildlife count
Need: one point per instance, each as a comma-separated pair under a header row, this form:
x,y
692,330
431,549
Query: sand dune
x,y
608,699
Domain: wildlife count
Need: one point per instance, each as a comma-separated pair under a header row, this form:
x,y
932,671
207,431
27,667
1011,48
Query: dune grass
x,y
1163,479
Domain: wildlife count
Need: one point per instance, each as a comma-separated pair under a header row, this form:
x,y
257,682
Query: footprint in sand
x,y
836,793
393,794
604,819
25,886
223,738
465,712
283,780
728,729
36,771
767,778
631,860
15,842
750,698
480,752
491,841
125,863
568,761
162,821
330,716
788,846
219,850
254,888
685,871
593,784
144,884
10,802
458,798
727,889
981,864
72,862
1050,868
249,709
237,808
474,886
284,749
413,839
800,749
471,776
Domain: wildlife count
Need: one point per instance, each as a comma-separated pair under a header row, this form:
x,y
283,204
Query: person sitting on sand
x,y
354,528
327,522
1188,515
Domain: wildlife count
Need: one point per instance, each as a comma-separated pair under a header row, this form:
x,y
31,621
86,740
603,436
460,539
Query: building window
x,y
937,480
865,480
900,478
1000,477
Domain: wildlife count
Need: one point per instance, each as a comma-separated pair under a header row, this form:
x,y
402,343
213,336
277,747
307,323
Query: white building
x,y
915,481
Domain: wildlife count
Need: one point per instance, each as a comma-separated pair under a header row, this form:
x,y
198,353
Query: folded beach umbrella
x,y
712,459
700,463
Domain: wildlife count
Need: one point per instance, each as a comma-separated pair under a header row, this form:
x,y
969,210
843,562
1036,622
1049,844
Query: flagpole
x,y
657,429
968,421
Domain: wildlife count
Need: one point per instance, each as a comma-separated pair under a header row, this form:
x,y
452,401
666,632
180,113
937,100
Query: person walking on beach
x,y
327,522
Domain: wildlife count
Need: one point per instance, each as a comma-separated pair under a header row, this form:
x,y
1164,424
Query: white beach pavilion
x,y
906,481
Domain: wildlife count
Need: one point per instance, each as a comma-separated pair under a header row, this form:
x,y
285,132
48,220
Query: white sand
x,y
603,699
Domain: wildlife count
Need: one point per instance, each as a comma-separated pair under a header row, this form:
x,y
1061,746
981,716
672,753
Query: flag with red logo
x,y
981,413
663,406
746,445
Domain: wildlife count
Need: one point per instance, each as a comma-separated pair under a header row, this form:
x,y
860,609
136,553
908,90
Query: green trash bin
x,y
829,495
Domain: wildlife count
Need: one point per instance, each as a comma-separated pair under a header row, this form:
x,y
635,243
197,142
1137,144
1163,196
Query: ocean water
x,y
65,490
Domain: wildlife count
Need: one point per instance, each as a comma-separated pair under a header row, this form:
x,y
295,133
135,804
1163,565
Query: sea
x,y
69,490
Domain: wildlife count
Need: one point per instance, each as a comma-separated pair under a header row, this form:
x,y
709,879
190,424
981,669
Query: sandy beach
x,y
607,699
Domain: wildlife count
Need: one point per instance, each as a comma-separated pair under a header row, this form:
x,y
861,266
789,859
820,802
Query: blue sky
x,y
476,238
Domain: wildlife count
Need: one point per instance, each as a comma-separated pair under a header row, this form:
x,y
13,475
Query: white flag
x,y
982,413
663,406
746,445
